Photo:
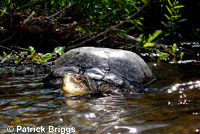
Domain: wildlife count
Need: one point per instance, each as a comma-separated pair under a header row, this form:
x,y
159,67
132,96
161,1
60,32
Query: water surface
x,y
172,107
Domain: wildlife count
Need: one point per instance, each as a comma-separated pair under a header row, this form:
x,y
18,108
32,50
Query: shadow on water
x,y
24,102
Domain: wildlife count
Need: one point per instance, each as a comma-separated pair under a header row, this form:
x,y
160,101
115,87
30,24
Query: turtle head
x,y
76,84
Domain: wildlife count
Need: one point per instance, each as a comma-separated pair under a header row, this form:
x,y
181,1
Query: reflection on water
x,y
181,87
24,102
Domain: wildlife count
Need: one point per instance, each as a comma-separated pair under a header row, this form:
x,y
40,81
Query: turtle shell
x,y
113,66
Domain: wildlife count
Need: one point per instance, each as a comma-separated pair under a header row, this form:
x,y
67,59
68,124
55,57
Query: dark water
x,y
173,109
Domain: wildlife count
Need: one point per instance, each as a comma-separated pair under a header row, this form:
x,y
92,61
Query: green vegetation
x,y
38,57
161,22
32,56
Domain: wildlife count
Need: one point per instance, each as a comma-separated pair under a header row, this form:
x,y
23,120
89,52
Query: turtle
x,y
91,70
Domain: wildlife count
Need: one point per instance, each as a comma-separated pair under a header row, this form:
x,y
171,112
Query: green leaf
x,y
139,22
180,6
32,53
155,34
120,31
165,55
23,53
36,58
160,54
169,10
59,50
170,3
4,10
182,20
31,49
46,57
174,48
174,60
16,61
181,55
4,54
176,16
167,16
148,44
141,36
80,29
126,10
164,23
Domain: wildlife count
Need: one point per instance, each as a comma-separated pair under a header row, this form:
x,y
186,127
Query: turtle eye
x,y
78,78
